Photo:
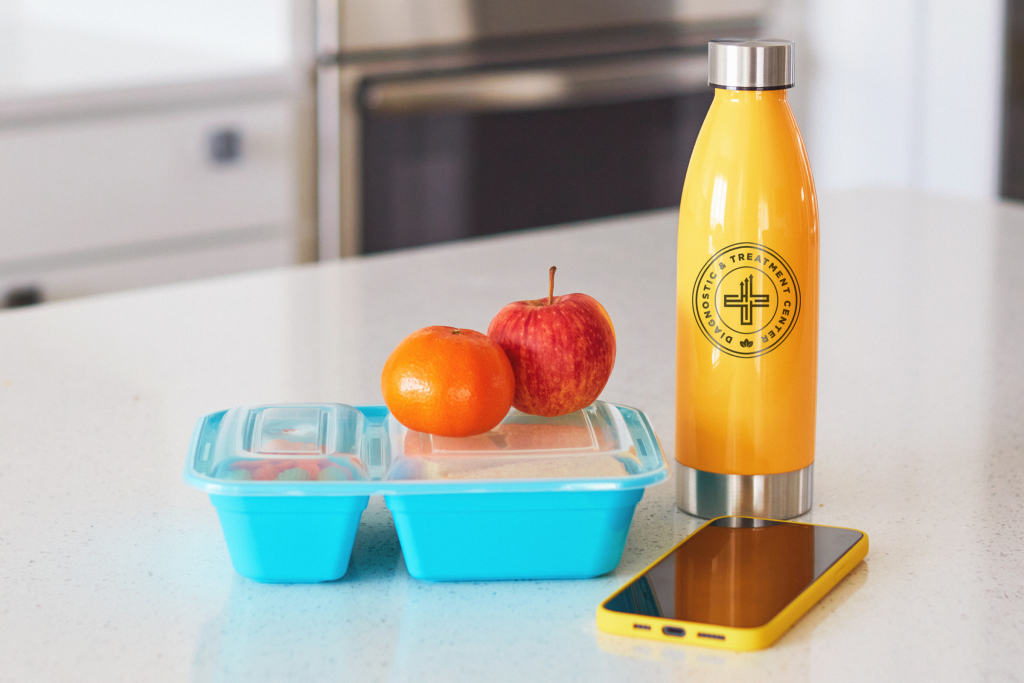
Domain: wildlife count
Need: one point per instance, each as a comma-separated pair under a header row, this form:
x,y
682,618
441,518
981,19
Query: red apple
x,y
562,350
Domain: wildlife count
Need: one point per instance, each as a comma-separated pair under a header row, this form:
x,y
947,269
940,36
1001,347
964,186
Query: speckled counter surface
x,y
111,569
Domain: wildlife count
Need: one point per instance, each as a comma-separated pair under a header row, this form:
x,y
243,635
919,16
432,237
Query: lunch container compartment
x,y
535,498
485,536
260,466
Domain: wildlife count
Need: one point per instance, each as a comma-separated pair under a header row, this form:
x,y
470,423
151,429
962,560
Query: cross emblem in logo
x,y
746,301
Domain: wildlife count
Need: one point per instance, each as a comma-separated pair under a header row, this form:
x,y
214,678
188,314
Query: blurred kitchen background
x,y
146,142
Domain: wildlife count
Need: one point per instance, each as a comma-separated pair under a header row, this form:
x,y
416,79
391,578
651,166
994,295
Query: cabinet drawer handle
x,y
225,146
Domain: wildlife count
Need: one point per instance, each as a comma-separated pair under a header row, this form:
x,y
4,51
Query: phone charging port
x,y
673,631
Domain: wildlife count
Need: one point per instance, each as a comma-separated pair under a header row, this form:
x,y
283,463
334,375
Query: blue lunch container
x,y
535,498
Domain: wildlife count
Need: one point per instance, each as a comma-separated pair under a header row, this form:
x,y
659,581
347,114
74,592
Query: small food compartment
x,y
273,473
535,498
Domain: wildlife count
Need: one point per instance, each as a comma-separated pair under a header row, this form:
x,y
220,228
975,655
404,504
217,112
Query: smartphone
x,y
737,583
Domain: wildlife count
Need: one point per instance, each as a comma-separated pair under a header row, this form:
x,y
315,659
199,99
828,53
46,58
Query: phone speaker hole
x,y
674,631
644,627
710,635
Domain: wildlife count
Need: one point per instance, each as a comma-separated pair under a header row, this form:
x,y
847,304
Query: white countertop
x,y
68,57
111,569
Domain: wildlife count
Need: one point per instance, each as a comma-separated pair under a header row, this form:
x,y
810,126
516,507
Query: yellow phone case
x,y
729,637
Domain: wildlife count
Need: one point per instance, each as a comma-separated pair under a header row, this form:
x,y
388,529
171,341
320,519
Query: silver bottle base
x,y
775,496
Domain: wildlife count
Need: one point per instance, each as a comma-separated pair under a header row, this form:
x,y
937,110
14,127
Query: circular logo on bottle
x,y
746,300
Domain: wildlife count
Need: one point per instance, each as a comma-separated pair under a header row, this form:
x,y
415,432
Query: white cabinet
x,y
124,180
110,119
92,195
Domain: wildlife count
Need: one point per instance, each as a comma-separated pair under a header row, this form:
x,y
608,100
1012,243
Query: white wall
x,y
898,92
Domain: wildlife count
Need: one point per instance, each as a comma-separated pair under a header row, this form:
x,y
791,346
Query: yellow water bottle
x,y
747,296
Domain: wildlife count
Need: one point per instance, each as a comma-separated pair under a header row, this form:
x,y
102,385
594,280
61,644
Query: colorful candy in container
x,y
535,498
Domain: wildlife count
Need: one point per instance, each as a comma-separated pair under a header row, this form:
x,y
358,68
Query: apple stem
x,y
551,285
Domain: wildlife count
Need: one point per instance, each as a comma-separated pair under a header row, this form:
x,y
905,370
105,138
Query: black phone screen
x,y
736,571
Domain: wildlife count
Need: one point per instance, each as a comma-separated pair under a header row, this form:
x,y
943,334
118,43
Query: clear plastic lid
x,y
311,442
333,449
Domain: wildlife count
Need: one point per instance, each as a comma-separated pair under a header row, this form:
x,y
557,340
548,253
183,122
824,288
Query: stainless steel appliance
x,y
1011,172
441,119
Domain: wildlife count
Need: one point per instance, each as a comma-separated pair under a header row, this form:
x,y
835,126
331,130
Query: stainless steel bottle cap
x,y
739,64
